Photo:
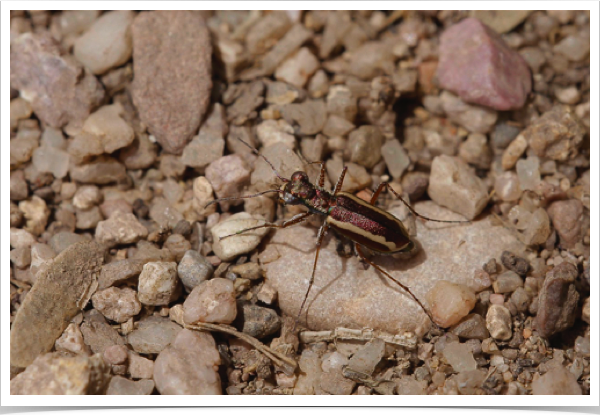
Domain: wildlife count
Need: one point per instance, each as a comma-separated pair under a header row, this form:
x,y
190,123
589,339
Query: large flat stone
x,y
344,294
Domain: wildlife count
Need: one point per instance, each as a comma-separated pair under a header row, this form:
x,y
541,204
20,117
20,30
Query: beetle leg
x,y
320,236
290,222
321,174
338,185
414,212
404,287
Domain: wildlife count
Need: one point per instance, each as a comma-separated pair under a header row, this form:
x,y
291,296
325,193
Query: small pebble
x,y
139,367
364,145
36,213
153,334
528,171
212,301
460,357
271,132
267,294
107,43
513,152
62,240
259,322
120,228
396,158
298,68
227,176
585,312
71,340
189,366
557,381
514,263
471,327
498,322
454,185
556,135
178,245
231,247
115,355
123,386
507,282
450,302
474,118
367,357
117,304
158,283
57,374
193,269
566,217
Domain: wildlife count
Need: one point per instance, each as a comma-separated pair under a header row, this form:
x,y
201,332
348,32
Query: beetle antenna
x,y
224,199
255,151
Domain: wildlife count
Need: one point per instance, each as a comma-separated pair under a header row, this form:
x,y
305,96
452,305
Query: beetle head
x,y
297,189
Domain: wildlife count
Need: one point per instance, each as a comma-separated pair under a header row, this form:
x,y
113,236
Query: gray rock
x,y
194,269
471,327
364,145
259,322
153,334
60,292
189,366
62,240
139,367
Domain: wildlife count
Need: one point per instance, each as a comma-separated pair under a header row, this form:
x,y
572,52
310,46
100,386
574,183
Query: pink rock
x,y
480,67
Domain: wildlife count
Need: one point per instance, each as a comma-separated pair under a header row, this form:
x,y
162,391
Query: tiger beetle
x,y
363,223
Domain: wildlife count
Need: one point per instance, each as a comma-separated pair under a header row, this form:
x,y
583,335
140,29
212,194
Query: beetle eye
x,y
299,176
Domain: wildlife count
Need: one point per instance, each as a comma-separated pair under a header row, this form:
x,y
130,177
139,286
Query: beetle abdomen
x,y
367,225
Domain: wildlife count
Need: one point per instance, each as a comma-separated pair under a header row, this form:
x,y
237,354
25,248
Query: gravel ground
x,y
124,125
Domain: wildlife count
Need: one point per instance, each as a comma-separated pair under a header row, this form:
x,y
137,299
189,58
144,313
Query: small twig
x,y
287,364
408,340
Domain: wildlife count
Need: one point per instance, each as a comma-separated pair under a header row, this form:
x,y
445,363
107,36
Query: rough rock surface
x,y
479,66
57,87
60,292
56,374
558,300
344,295
172,74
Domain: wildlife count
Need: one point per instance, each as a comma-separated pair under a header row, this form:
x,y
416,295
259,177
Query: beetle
x,y
363,223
